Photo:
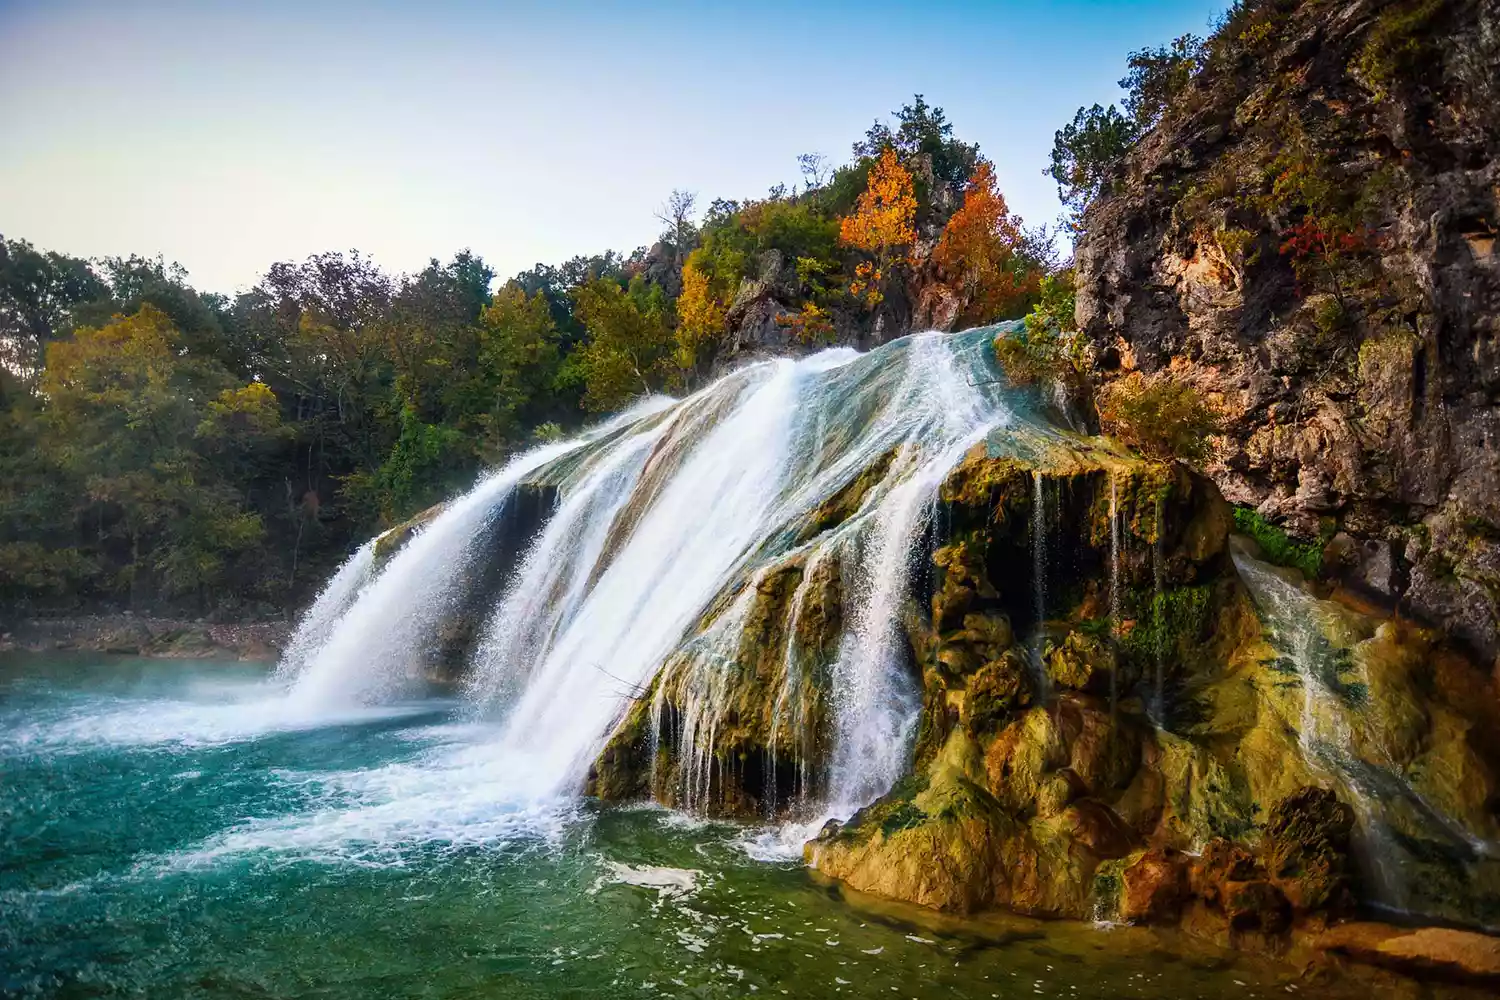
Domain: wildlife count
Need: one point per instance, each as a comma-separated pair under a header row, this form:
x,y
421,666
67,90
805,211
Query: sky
x,y
230,135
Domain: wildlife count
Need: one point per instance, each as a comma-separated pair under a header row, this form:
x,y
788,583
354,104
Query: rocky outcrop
x,y
1310,237
1119,720
142,635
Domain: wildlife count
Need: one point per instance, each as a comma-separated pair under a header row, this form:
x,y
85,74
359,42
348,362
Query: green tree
x,y
922,129
629,351
1157,77
38,293
1086,153
124,419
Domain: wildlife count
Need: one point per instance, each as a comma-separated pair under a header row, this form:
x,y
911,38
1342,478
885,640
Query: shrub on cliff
x,y
1160,415
1048,347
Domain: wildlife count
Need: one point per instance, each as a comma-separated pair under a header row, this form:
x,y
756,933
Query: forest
x,y
177,451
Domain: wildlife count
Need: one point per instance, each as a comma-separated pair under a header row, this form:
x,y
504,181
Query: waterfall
x,y
1039,545
375,649
546,591
704,516
639,583
788,711
878,701
1399,828
1323,726
1159,615
318,621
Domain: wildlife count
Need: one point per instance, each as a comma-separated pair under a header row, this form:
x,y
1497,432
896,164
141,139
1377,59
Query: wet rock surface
x,y
1425,953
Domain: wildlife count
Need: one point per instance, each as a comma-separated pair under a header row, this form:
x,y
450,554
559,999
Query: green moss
x,y
842,505
1277,545
1396,44
1166,620
903,817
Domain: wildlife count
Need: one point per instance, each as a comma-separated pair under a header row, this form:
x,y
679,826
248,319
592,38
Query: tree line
x,y
167,449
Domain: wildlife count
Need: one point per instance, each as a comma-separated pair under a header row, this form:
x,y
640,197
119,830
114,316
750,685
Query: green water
x,y
166,831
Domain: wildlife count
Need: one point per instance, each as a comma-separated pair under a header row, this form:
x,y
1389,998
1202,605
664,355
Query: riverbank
x,y
127,634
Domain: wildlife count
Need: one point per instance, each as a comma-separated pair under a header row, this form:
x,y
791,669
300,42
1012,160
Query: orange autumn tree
x,y
979,247
883,224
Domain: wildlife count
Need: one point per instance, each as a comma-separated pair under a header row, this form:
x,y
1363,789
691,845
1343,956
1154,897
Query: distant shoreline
x,y
137,635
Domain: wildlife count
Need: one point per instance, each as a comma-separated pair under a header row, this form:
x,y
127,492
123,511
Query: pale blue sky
x,y
230,135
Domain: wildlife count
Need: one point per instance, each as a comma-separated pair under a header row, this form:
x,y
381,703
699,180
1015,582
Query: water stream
x,y
1398,829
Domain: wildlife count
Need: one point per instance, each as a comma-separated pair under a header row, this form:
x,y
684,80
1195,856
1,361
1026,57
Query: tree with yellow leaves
x,y
156,452
883,224
979,248
700,313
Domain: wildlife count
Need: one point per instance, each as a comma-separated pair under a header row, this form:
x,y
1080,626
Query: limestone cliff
x,y
1309,235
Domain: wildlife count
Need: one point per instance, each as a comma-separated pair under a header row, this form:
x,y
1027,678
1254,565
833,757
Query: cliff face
x,y
1310,237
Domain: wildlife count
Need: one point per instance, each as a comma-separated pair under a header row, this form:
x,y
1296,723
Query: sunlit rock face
x,y
1361,385
973,660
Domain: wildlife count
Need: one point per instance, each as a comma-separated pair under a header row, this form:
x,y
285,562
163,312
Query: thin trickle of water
x,y
1039,569
1323,731
1115,621
1159,616
1039,545
787,714
699,677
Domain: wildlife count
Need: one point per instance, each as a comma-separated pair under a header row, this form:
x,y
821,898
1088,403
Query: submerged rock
x,y
1424,953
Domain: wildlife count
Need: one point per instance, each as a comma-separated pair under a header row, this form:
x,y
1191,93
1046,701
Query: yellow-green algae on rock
x,y
1124,757
1068,805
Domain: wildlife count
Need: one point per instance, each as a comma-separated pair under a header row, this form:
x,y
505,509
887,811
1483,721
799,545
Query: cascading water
x,y
1039,581
550,584
373,651
640,582
318,622
1342,741
788,714
1159,617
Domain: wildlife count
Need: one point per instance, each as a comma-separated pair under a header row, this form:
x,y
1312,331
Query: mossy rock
x,y
1081,662
389,542
850,497
1306,847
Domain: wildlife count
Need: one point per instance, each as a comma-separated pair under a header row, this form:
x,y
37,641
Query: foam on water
x,y
451,798
662,512
205,713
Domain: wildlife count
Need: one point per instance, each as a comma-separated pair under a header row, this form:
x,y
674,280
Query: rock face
x,y
133,635
1310,236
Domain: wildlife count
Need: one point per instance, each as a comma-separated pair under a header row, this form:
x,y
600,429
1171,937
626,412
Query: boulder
x,y
1306,848
1154,887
